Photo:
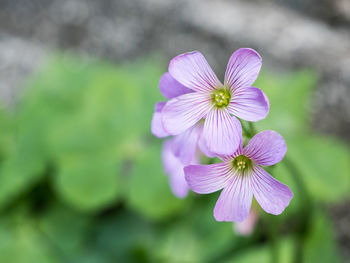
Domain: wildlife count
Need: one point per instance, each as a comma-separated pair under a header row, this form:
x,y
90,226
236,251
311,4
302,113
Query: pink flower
x,y
213,101
170,88
182,149
186,143
240,176
174,167
246,227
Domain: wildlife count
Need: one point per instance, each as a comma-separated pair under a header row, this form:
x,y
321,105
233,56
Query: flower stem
x,y
246,130
252,128
273,233
305,211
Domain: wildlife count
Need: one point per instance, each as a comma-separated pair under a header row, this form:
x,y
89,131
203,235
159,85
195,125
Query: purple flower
x,y
174,167
170,88
184,145
240,176
182,149
214,101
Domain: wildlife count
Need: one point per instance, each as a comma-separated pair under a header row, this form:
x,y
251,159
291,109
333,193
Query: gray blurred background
x,y
288,34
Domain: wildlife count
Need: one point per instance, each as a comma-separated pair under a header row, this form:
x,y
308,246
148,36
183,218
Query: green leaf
x,y
320,245
18,174
124,237
255,254
148,189
22,242
22,166
196,236
178,244
6,133
65,227
263,253
290,98
214,238
86,118
324,164
88,183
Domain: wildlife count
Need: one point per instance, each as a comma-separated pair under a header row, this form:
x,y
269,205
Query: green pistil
x,y
221,97
242,163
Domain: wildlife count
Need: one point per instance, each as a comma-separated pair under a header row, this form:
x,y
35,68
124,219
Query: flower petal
x,y
222,132
246,227
185,144
183,112
156,124
170,87
178,183
235,200
266,148
202,144
243,68
174,168
192,70
272,195
204,179
249,104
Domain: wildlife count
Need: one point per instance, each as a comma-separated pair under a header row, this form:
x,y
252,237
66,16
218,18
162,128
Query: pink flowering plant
x,y
204,116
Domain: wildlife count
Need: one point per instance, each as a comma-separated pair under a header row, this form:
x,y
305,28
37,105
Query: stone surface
x,y
18,58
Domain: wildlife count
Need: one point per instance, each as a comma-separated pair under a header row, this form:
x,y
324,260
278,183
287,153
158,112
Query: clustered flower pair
x,y
201,116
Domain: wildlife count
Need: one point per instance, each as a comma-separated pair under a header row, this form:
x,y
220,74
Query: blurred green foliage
x,y
81,178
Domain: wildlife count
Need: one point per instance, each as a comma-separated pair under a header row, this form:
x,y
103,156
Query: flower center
x,y
221,97
242,163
